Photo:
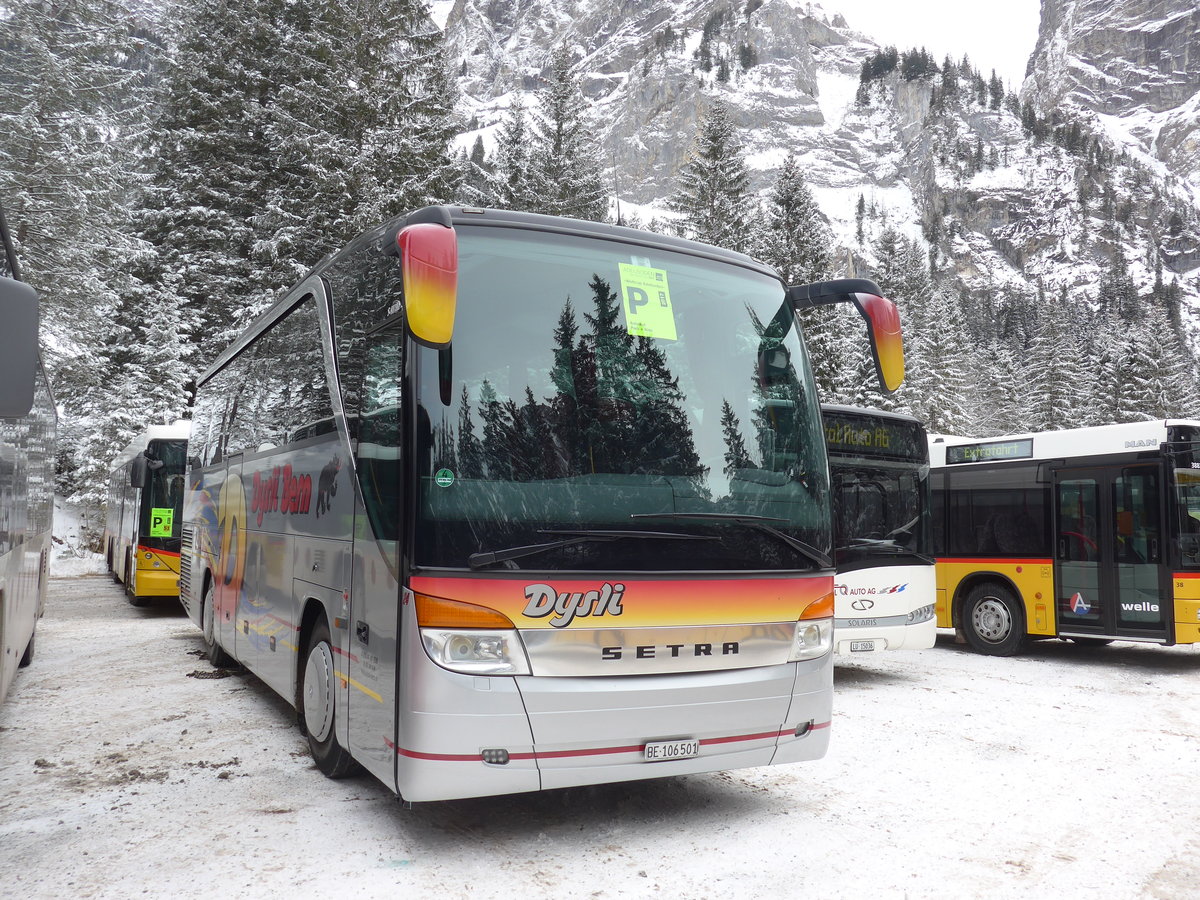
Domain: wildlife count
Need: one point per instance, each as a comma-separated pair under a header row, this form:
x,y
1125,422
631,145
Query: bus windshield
x,y
880,472
627,407
162,497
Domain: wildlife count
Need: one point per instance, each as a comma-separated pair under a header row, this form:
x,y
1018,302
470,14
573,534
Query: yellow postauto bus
x,y
1087,534
143,513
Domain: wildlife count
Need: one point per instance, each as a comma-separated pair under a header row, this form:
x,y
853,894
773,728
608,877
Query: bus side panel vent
x,y
185,563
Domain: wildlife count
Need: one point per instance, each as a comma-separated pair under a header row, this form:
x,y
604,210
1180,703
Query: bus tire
x,y
27,656
131,583
318,705
993,620
208,626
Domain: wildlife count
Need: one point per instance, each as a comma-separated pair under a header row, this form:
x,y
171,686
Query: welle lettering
x,y
544,600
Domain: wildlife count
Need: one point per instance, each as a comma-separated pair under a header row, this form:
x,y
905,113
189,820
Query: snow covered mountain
x,y
1095,165
1134,65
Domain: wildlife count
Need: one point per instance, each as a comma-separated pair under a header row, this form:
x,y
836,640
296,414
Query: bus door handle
x,y
1153,550
363,631
1062,546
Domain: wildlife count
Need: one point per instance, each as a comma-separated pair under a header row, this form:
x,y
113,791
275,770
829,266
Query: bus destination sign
x,y
872,436
995,451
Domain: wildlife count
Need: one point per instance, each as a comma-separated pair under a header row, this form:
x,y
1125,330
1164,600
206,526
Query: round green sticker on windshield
x,y
443,478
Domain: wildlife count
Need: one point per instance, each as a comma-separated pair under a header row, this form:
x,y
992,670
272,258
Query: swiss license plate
x,y
862,646
662,750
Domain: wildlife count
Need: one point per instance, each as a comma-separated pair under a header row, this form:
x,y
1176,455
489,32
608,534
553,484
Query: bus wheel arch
x,y
991,615
217,656
27,656
317,694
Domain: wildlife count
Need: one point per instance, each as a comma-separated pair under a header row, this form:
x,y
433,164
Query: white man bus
x,y
504,502
144,513
879,469
1087,534
27,429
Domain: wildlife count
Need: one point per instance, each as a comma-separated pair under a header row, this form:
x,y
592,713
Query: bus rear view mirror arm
x,y
880,314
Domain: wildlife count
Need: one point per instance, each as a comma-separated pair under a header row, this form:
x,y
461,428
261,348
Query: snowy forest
x,y
168,170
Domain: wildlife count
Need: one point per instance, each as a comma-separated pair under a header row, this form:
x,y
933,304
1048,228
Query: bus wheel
x,y
993,621
318,705
208,624
27,657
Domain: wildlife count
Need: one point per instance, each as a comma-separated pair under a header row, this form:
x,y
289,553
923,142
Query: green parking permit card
x,y
162,521
646,298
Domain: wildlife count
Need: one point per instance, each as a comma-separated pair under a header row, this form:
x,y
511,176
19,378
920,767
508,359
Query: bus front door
x,y
1108,572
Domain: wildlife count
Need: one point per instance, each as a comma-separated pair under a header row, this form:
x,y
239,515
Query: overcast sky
x,y
996,34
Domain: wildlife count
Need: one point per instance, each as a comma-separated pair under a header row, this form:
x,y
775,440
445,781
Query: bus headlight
x,y
814,638
476,652
923,614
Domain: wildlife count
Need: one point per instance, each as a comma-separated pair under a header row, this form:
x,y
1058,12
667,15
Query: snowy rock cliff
x,y
1098,162
1134,64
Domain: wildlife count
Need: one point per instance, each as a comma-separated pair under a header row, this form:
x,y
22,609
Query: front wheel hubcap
x,y
318,692
991,620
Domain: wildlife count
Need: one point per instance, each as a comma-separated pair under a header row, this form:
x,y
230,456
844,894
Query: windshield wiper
x,y
576,536
760,523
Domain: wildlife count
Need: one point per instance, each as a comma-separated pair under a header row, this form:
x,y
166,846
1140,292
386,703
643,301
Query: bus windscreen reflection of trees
x,y
617,409
615,436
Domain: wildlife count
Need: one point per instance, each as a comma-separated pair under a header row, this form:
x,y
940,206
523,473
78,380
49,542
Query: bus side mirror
x,y
18,347
429,264
881,315
137,471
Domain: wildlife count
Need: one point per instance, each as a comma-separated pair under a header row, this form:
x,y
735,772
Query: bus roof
x,y
179,430
1096,440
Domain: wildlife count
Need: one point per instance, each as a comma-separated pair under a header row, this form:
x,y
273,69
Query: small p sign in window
x,y
647,301
162,521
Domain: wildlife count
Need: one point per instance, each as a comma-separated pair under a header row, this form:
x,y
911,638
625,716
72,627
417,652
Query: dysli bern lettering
x,y
566,606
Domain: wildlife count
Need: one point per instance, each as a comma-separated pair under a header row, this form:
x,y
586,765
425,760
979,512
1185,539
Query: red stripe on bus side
x,y
994,561
142,548
340,652
594,751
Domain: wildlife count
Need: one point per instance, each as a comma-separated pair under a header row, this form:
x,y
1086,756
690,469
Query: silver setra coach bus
x,y
505,502
28,422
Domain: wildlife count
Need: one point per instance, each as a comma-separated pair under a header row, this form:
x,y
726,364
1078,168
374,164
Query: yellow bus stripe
x,y
362,687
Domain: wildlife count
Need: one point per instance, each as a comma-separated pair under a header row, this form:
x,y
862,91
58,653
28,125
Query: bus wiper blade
x,y
572,537
757,522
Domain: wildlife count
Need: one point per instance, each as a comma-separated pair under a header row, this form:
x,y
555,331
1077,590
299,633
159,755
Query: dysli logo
x,y
544,600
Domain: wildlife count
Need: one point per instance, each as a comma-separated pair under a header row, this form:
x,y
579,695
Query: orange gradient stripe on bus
x,y
532,602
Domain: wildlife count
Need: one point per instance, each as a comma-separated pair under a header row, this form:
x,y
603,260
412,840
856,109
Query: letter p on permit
x,y
636,297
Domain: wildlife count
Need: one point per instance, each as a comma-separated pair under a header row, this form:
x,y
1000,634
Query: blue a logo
x,y
1079,606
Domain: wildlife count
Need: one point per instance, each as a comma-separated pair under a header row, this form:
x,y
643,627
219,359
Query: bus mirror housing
x,y
18,347
429,263
137,471
881,315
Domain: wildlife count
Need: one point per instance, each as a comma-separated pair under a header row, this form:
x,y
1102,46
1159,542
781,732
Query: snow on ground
x,y
126,769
